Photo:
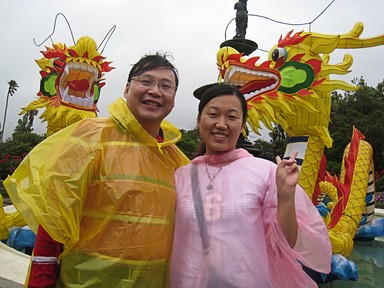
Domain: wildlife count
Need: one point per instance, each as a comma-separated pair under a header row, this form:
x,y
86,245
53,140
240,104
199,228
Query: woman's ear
x,y
244,125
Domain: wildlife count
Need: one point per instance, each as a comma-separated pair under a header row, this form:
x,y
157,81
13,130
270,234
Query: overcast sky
x,y
191,30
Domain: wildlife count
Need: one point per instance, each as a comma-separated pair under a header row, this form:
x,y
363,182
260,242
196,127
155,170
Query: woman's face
x,y
220,123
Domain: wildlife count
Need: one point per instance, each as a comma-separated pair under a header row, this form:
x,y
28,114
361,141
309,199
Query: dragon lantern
x,y
293,89
71,80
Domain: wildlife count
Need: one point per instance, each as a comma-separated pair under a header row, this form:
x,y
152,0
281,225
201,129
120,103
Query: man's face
x,y
151,97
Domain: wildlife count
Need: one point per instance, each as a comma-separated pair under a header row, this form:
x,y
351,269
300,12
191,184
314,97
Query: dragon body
x,y
349,194
293,89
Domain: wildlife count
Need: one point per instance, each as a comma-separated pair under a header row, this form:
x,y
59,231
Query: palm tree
x,y
12,89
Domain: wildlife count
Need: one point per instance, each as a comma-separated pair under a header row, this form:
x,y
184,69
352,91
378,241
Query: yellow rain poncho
x,y
105,189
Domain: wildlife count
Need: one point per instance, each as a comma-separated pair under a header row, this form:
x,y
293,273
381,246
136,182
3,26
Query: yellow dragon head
x,y
292,88
71,80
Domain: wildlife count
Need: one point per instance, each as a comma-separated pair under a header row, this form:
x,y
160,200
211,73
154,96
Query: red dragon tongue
x,y
257,85
79,85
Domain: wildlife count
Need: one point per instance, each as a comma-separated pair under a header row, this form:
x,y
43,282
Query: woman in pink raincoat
x,y
242,221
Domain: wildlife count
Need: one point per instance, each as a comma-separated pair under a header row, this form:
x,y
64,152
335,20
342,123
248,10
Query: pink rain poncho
x,y
104,188
246,246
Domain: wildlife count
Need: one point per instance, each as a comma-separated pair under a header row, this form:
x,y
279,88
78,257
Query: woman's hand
x,y
287,176
287,173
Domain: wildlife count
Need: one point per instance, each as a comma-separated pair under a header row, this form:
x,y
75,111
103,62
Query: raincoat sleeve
x,y
312,249
49,185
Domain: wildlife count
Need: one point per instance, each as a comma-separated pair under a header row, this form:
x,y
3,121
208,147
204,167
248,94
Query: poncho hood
x,y
127,123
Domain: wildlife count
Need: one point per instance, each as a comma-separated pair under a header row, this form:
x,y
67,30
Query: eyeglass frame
x,y
154,82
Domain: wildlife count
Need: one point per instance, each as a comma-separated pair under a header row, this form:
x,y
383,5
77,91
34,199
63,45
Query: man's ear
x,y
126,90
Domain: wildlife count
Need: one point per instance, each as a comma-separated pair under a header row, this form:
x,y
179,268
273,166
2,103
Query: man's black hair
x,y
153,61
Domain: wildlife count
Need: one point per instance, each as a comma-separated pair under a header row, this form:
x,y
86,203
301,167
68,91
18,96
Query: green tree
x,y
265,148
11,90
279,140
363,109
25,124
14,149
189,142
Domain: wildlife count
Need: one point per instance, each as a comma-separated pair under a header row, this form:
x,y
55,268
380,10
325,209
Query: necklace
x,y
210,186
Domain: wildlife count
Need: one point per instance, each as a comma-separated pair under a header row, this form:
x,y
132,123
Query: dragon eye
x,y
278,53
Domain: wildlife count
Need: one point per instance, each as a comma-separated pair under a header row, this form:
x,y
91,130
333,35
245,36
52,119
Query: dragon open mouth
x,y
252,82
76,84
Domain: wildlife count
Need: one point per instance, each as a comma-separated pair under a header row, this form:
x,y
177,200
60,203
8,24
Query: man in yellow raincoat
x,y
100,193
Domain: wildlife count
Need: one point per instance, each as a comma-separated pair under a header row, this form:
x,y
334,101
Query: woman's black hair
x,y
149,62
216,91
220,90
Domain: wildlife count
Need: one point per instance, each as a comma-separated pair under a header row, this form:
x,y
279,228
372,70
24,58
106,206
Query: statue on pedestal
x,y
241,18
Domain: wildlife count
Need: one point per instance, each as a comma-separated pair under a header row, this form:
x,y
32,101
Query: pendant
x,y
209,186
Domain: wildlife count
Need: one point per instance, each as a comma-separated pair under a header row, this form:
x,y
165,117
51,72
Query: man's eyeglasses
x,y
165,86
